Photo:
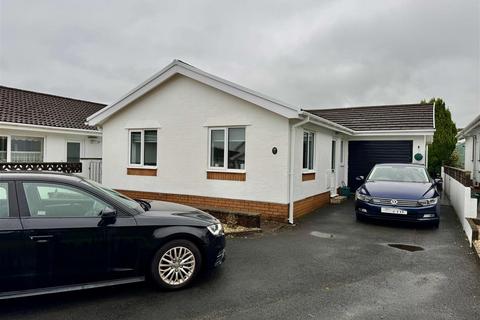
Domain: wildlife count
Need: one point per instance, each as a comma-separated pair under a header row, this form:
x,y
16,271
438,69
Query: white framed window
x,y
308,151
342,152
226,148
3,149
21,149
142,148
334,156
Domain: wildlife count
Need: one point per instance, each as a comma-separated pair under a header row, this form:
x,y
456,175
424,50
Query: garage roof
x,y
419,116
41,109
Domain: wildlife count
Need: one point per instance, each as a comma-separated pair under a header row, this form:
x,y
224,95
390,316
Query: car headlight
x,y
428,202
362,197
216,229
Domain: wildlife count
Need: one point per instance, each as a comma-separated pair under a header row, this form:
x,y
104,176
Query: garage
x,y
363,155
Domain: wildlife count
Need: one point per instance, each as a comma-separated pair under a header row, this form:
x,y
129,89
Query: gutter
x,y
292,166
327,123
34,127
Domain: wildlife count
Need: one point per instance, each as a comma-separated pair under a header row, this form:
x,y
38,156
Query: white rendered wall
x,y
183,110
322,162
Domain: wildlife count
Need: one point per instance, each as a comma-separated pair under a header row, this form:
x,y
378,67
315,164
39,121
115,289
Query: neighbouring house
x,y
471,134
187,136
48,132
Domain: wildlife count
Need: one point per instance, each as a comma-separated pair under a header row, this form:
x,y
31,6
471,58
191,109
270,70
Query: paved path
x,y
303,273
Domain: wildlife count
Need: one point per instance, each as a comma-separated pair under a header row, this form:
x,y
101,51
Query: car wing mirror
x,y
108,213
360,178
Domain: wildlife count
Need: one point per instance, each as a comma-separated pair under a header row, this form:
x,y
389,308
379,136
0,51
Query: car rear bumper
x,y
428,214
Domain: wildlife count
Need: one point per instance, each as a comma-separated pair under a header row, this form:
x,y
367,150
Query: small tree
x,y
444,140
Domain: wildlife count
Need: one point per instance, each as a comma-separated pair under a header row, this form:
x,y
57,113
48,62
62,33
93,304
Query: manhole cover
x,y
406,247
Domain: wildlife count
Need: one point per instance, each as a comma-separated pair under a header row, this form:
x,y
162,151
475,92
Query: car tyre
x,y
175,265
358,217
436,224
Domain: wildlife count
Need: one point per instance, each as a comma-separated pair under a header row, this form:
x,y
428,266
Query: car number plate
x,y
393,210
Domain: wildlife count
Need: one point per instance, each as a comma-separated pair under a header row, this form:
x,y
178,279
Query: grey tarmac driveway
x,y
303,273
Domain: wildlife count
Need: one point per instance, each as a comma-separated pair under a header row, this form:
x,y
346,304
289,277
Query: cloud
x,y
310,53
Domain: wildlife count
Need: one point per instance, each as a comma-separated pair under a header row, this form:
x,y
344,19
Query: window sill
x,y
227,175
308,176
141,171
226,170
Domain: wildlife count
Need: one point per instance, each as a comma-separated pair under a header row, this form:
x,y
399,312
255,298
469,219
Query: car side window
x,y
52,200
4,206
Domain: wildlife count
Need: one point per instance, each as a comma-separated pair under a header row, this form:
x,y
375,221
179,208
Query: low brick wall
x,y
267,210
462,176
307,205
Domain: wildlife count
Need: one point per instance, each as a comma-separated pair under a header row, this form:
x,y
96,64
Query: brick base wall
x,y
307,205
268,210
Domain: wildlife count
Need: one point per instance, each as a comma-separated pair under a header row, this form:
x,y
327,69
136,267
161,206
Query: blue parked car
x,y
403,192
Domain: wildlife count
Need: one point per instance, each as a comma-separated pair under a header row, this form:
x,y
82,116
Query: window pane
x,y
311,150
305,150
341,151
52,200
217,152
236,148
3,149
4,207
150,148
333,153
27,149
135,147
73,152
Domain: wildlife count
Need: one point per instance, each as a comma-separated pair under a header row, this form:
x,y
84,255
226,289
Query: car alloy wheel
x,y
176,266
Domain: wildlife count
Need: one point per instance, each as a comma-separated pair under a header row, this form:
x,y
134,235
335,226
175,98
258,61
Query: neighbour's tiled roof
x,y
28,107
388,117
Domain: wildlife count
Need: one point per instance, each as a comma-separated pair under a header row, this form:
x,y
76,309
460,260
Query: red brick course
x,y
233,176
268,210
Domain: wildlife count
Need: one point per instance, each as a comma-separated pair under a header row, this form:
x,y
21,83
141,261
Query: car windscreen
x,y
399,174
117,195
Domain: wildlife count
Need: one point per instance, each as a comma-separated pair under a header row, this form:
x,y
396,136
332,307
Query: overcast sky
x,y
331,53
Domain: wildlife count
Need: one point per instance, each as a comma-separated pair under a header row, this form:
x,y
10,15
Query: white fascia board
x,y
469,127
31,127
100,116
179,67
417,132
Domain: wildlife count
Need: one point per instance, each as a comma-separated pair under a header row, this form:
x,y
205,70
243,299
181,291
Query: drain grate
x,y
406,247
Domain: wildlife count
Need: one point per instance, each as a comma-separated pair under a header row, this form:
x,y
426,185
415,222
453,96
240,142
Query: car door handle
x,y
42,239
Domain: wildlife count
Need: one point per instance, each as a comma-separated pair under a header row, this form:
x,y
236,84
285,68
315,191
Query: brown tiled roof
x,y
28,107
389,117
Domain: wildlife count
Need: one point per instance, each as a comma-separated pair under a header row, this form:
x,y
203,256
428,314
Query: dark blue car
x,y
402,192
